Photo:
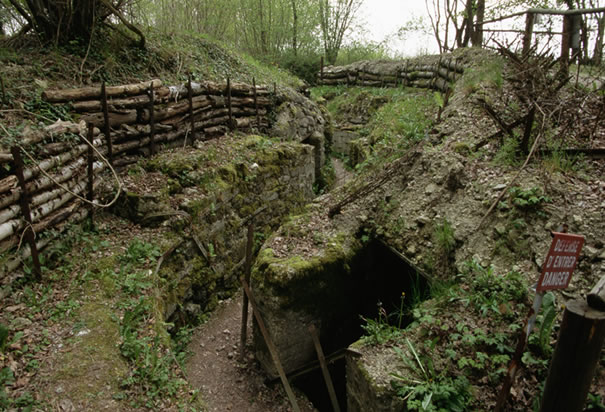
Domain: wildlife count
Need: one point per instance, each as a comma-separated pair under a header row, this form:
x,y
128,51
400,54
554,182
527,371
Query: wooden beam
x,y
271,347
576,356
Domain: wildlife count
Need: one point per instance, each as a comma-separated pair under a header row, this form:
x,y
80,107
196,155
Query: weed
x,y
3,337
507,155
528,199
427,390
546,322
444,237
595,403
379,331
492,293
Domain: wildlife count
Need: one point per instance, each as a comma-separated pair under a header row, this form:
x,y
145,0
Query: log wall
x,y
128,121
436,76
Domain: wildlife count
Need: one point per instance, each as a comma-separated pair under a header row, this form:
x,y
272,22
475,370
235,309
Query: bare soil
x,y
227,382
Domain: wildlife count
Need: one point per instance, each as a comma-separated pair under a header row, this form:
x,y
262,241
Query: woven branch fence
x,y
437,76
122,123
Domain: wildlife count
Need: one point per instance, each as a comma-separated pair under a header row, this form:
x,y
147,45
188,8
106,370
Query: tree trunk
x,y
294,28
478,38
597,54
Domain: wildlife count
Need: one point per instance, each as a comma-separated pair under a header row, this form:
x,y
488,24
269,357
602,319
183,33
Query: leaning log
x,y
87,93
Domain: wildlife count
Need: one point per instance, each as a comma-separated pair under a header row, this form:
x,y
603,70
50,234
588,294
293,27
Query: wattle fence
x,y
436,76
48,176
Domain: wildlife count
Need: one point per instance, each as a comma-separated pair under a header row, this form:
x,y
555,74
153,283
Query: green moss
x,y
91,371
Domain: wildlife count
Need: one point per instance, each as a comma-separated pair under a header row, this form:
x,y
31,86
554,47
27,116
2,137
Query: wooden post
x,y
256,103
231,125
106,126
190,97
566,44
530,18
247,269
324,368
271,347
26,212
576,356
596,297
4,100
321,69
151,121
91,175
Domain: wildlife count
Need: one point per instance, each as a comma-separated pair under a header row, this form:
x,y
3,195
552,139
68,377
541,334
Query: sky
x,y
383,18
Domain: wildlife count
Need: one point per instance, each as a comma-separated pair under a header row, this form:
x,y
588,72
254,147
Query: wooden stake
x,y
151,121
256,103
26,212
4,99
566,44
576,356
190,97
91,175
321,69
229,107
247,269
271,347
527,36
324,368
106,126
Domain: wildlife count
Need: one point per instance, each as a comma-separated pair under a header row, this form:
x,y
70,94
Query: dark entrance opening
x,y
379,278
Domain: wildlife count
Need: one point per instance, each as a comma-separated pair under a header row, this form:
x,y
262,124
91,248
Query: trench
x,y
379,278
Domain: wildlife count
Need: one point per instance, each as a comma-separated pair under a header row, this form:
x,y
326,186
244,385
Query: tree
x,y
336,17
61,21
445,17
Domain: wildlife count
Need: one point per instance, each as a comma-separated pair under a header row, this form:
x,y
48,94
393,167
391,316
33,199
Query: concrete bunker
x,y
335,298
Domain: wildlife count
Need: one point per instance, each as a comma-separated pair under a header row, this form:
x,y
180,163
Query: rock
x,y
500,229
193,309
5,292
577,219
20,323
501,186
422,220
591,252
430,189
411,249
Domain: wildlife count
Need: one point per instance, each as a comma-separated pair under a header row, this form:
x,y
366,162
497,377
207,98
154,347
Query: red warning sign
x,y
560,261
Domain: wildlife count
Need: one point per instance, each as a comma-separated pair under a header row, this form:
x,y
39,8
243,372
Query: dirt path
x,y
342,174
226,383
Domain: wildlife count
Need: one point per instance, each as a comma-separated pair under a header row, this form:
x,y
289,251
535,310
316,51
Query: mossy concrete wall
x,y
301,289
208,197
364,393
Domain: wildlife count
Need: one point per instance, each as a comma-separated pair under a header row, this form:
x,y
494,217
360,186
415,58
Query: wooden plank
x,y
324,368
247,270
271,347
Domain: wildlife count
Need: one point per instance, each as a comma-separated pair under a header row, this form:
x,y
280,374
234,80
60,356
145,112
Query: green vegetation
x,y
446,354
444,237
488,75
428,390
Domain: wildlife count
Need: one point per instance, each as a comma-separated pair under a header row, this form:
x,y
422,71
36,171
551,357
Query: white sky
x,y
383,18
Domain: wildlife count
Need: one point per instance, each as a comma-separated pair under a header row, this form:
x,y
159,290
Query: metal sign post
x,y
557,269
